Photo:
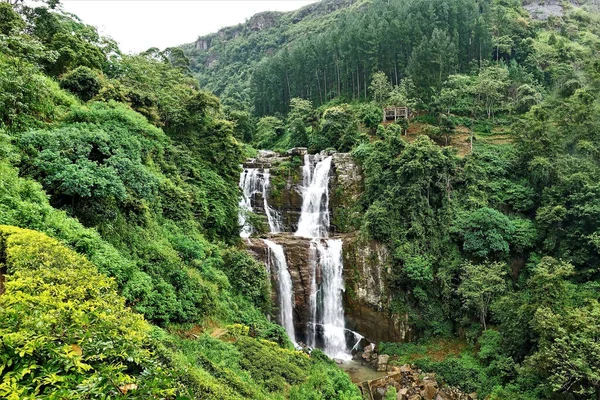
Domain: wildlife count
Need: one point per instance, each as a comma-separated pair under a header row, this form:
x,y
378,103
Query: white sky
x,y
138,25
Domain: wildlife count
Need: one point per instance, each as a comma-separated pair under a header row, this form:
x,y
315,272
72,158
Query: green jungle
x,y
122,271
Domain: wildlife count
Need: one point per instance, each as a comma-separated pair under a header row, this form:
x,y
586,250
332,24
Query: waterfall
x,y
325,258
332,287
314,218
312,327
253,182
277,260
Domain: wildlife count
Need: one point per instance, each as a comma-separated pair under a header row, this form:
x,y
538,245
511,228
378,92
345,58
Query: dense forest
x,y
487,197
118,220
122,274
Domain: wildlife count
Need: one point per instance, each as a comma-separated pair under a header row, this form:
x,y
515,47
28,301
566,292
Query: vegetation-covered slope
x,y
118,205
487,197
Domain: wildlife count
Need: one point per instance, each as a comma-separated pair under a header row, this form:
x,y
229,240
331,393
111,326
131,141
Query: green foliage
x,y
28,97
370,115
325,381
486,232
272,366
380,88
79,337
268,131
354,52
82,81
10,21
248,276
390,394
464,371
481,285
566,359
338,128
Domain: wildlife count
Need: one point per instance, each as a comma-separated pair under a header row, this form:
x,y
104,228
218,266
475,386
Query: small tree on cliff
x,y
481,285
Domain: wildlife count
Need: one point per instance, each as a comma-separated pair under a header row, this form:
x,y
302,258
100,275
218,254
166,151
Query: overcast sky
x,y
140,24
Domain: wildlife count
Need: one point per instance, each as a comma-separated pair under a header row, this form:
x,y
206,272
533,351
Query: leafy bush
x,y
79,337
82,81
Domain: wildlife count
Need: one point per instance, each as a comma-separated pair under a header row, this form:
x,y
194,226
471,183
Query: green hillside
x,y
122,274
118,205
486,197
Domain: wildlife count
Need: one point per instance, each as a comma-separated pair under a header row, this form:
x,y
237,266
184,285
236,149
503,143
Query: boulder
x,y
382,362
402,394
429,391
297,151
443,396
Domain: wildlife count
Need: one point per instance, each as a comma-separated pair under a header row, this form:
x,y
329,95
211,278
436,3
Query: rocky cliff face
x,y
366,299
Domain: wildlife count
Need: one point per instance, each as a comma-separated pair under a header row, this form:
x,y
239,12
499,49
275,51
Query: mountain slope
x,y
224,61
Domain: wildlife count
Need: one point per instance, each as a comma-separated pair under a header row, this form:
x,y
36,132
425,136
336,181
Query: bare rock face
x,y
544,9
347,185
202,44
367,298
264,20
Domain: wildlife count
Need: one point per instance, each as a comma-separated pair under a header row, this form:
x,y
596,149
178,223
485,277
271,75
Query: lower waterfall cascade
x,y
326,327
276,259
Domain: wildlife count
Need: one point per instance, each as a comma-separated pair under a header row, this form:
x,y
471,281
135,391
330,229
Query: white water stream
x,y
325,258
277,261
254,181
314,218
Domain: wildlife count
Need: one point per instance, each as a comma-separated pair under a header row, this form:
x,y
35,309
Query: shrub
x,y
83,82
64,330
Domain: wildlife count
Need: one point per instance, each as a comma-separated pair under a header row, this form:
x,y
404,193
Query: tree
x,y
431,63
10,21
402,95
82,81
447,127
339,127
485,232
268,130
380,88
456,95
300,116
370,115
480,285
568,354
490,88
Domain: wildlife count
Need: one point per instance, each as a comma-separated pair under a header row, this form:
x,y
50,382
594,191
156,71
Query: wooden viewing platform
x,y
393,113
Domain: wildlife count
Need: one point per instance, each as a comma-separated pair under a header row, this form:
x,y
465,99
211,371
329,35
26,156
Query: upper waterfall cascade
x,y
314,218
255,181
